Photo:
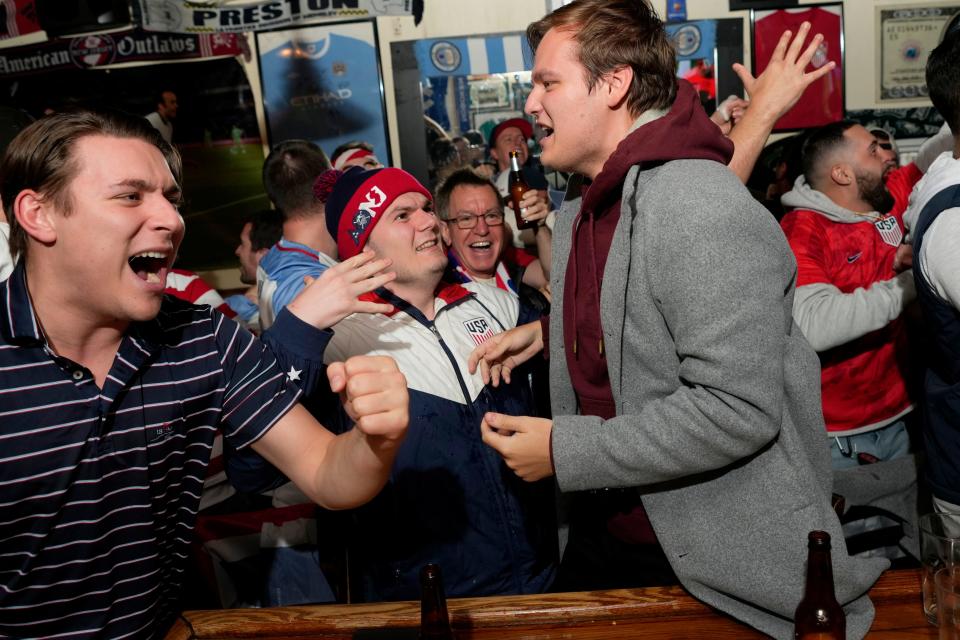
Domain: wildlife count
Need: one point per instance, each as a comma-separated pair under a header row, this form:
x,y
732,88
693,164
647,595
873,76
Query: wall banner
x,y
184,16
695,40
97,50
17,17
473,56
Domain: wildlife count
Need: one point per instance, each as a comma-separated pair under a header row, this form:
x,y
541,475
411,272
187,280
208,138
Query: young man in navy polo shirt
x,y
110,393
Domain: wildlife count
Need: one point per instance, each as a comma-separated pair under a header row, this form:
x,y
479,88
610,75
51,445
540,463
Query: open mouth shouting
x,y
547,132
151,267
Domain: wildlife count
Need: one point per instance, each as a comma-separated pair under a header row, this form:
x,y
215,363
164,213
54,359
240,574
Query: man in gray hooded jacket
x,y
677,372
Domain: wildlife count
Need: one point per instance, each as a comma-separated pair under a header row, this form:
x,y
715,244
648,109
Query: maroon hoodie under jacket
x,y
685,132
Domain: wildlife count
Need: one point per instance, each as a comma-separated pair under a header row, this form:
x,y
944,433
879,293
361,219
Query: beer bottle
x,y
819,616
518,187
434,621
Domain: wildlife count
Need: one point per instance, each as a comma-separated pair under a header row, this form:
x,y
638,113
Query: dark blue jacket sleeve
x,y
298,348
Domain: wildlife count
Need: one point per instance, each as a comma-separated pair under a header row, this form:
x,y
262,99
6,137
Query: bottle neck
x,y
434,620
819,573
514,164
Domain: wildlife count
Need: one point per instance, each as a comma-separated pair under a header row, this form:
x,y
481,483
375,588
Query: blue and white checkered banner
x,y
473,56
694,40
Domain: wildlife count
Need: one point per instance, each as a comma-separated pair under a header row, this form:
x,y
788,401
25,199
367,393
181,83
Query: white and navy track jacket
x,y
450,498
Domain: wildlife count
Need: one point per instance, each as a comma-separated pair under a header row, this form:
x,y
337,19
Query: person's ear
x,y
445,233
36,215
842,174
616,85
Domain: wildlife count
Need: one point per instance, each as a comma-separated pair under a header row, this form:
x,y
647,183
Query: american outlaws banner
x,y
17,17
184,16
97,50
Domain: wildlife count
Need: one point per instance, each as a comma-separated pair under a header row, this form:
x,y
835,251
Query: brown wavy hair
x,y
616,33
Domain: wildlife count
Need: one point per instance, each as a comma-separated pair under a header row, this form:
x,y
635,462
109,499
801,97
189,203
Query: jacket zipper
x,y
453,362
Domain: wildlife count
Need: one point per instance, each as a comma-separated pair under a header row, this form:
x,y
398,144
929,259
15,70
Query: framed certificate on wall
x,y
905,38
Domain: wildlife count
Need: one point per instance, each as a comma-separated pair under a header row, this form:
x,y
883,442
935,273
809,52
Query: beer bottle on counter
x,y
434,621
518,187
819,616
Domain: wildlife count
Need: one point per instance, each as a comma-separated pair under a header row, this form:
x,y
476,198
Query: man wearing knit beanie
x,y
451,500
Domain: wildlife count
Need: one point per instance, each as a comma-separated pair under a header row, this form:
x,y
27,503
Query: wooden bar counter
x,y
662,613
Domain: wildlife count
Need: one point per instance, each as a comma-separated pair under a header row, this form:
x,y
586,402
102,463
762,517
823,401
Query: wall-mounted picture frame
x,y
323,83
905,37
823,101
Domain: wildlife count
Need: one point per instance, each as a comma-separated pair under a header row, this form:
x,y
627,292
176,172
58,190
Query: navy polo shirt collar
x,y
19,325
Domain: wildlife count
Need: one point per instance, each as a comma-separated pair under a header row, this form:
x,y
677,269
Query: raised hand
x,y
785,78
335,294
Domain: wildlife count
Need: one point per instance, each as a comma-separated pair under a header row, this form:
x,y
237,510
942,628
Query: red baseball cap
x,y
520,123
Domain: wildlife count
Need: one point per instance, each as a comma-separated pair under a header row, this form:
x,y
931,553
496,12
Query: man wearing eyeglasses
x,y
479,249
450,499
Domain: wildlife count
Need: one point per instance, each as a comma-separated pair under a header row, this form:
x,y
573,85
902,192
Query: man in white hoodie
x,y
934,222
853,284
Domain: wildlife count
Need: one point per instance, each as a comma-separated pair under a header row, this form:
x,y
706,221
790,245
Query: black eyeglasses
x,y
469,220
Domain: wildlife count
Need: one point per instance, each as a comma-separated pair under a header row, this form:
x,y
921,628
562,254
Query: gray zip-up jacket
x,y
717,396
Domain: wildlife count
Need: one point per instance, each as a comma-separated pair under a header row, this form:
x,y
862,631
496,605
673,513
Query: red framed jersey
x,y
821,102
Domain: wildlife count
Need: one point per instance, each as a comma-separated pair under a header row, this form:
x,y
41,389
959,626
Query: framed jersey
x,y
823,101
323,84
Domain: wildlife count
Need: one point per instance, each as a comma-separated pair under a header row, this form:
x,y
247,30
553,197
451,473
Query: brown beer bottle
x,y
819,616
434,621
518,187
